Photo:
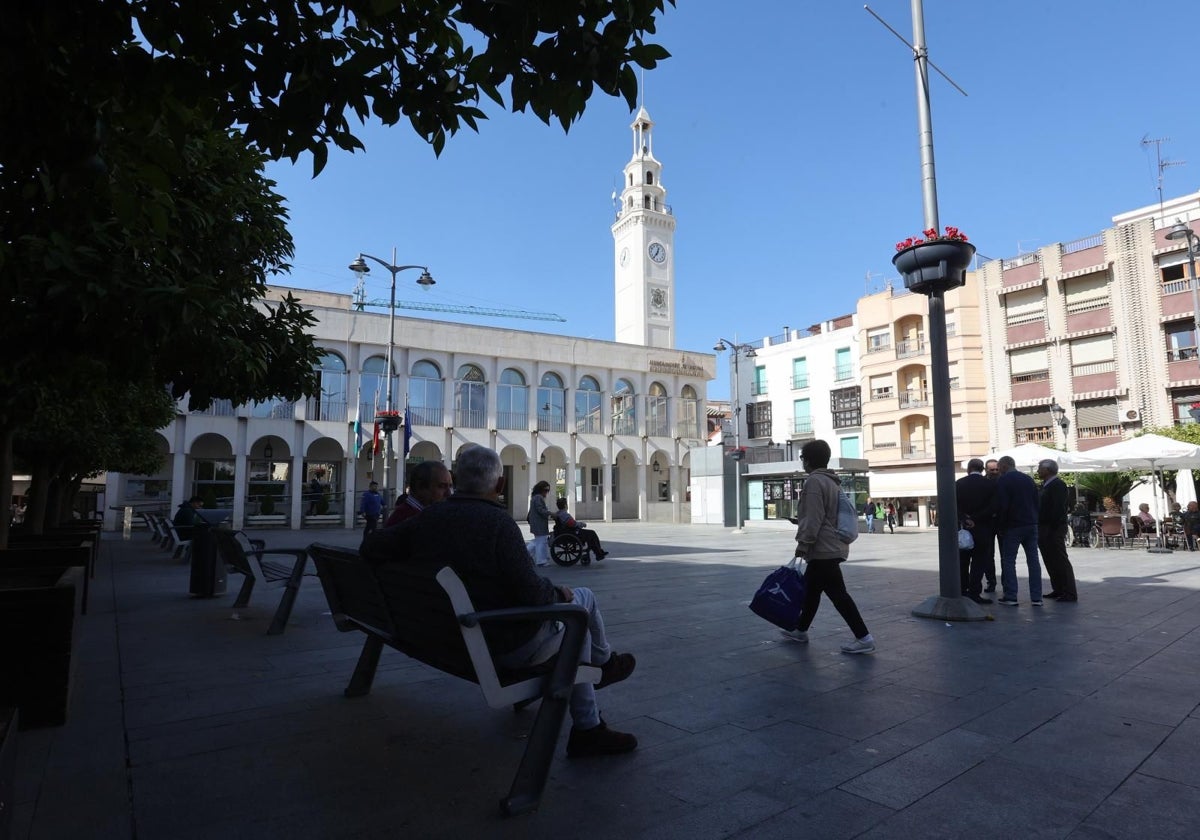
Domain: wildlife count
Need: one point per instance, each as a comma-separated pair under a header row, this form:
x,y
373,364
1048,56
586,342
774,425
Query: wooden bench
x,y
427,614
241,554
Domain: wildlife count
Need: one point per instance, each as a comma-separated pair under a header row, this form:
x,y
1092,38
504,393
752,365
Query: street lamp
x,y
738,351
1059,415
391,423
1182,231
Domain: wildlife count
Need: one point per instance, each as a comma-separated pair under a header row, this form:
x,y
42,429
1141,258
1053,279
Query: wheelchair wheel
x,y
1096,537
567,549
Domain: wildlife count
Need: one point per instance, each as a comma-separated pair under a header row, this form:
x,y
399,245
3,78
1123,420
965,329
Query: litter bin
x,y
208,577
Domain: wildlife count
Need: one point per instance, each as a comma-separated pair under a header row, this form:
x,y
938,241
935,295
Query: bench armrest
x,y
567,613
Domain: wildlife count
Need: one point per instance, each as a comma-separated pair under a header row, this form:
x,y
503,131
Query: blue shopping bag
x,y
781,597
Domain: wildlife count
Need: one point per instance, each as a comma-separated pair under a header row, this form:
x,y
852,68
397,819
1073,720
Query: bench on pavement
x,y
427,615
242,555
48,555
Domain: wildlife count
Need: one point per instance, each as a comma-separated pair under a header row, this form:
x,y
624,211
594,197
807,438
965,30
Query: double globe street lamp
x,y
738,350
390,420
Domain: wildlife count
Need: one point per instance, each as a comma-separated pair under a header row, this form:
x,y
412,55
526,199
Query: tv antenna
x,y
1160,164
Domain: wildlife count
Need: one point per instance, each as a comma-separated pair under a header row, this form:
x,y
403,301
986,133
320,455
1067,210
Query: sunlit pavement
x,y
1064,720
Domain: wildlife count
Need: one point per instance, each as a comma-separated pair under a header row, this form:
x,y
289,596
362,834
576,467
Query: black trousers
x,y
593,541
826,576
1052,546
977,562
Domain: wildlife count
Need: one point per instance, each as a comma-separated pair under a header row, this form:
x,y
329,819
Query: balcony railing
x,y
914,399
551,421
326,410
1041,435
799,382
910,347
588,424
882,393
1020,318
426,415
757,389
915,451
512,420
879,346
1092,241
802,426
1074,307
1093,367
1033,376
843,372
218,408
1113,430
470,418
1181,354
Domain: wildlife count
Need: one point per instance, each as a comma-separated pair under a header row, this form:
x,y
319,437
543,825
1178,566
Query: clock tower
x,y
644,248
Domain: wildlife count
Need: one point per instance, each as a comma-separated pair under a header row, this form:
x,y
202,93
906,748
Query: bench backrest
x,y
402,603
232,551
45,555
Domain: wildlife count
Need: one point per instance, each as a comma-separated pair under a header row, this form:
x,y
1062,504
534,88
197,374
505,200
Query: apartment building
x,y
897,409
1088,341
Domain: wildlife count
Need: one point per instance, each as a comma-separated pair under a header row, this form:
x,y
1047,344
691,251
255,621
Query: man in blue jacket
x,y
1017,523
371,507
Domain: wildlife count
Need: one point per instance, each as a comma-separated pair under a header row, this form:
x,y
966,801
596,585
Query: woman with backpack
x,y
824,548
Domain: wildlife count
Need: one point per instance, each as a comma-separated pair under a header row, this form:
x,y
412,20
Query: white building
x,y
608,424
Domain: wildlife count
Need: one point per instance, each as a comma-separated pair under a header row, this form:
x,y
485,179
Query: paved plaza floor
x,y
1067,720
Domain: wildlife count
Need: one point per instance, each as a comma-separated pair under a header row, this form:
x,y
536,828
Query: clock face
x,y
658,298
624,257
657,252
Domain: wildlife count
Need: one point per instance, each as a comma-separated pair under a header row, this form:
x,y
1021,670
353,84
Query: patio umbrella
x,y
1027,456
1149,452
1185,487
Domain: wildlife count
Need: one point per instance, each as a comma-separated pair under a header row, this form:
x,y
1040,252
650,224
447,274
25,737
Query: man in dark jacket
x,y
975,496
476,536
1052,533
1016,522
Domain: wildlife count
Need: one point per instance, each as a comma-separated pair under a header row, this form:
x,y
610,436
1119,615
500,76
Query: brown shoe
x,y
599,740
618,667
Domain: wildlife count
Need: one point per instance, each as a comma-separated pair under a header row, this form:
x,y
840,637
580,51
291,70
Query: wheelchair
x,y
568,548
1080,534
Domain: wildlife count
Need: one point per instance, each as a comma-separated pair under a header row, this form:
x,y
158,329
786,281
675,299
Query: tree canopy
x,y
139,228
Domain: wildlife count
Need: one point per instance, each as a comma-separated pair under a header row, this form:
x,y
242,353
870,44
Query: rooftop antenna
x,y
1160,164
867,281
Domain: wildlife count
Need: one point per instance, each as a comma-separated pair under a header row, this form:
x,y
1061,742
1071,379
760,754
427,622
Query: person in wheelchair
x,y
563,521
1081,524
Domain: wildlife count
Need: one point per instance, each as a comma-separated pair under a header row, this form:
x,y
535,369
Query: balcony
x,y
915,452
882,394
758,389
843,372
470,418
802,427
1031,386
879,346
512,420
910,347
1090,432
799,382
914,399
218,408
1041,435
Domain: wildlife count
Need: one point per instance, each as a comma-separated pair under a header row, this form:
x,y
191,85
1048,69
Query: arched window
x,y
687,412
649,177
587,406
372,388
624,413
646,201
329,403
425,394
512,400
656,411
552,404
470,398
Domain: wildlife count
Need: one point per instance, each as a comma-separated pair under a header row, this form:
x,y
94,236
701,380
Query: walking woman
x,y
817,541
539,523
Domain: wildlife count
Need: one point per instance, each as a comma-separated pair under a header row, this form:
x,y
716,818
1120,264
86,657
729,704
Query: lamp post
x,y
1180,230
737,350
1059,415
391,423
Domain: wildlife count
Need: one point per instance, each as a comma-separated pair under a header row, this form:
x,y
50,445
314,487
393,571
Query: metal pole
x,y
737,441
387,436
949,603
1195,295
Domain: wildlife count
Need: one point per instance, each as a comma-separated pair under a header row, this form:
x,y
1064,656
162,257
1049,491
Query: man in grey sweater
x,y
474,534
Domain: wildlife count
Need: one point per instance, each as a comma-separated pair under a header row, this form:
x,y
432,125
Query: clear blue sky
x,y
787,134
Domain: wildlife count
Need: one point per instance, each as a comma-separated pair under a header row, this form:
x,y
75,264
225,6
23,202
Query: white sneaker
x,y
859,646
796,635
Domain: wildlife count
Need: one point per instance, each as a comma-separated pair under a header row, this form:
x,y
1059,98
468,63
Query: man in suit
x,y
991,471
1052,533
1017,522
975,496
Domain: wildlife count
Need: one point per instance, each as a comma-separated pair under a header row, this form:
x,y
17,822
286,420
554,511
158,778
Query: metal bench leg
x,y
243,597
364,671
290,591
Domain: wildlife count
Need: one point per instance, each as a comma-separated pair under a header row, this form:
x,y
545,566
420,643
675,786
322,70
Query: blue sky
x,y
787,133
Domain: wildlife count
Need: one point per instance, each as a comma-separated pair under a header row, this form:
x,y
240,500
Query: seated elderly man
x,y
476,536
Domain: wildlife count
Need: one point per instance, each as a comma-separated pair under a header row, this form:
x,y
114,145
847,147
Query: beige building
x,y
1088,341
897,408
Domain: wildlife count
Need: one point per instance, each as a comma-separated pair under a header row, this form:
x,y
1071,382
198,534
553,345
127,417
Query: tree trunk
x,y
6,481
1112,506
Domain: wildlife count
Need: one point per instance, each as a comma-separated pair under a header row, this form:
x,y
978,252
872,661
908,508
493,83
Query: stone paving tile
x,y
189,724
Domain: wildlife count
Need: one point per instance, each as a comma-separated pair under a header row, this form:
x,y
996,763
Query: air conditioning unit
x,y
1131,415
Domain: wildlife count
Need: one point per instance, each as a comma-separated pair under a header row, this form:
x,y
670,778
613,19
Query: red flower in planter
x,y
931,235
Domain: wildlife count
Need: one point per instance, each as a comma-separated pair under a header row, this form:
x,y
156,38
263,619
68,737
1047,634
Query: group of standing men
x,y
998,502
